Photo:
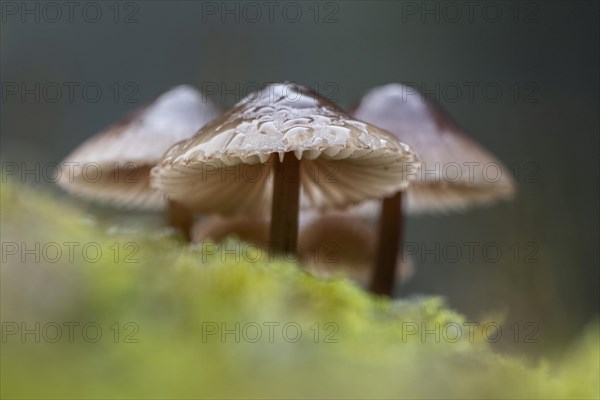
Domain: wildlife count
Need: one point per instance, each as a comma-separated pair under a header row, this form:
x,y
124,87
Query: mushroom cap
x,y
225,168
456,172
217,228
334,242
329,243
114,165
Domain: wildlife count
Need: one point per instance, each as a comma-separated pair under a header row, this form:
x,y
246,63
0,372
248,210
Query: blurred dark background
x,y
521,77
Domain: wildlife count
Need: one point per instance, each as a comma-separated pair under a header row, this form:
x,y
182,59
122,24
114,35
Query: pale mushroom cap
x,y
456,172
331,243
216,229
224,169
114,165
339,242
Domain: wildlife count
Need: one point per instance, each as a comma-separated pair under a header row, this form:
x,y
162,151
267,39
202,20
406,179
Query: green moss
x,y
172,304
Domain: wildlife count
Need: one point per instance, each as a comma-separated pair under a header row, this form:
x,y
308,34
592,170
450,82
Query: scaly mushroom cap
x,y
225,168
114,165
456,172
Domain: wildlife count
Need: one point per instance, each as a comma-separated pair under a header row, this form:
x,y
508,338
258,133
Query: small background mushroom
x,y
337,242
216,228
114,165
441,145
331,243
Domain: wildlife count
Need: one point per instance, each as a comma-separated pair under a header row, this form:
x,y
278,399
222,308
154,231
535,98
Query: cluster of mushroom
x,y
285,152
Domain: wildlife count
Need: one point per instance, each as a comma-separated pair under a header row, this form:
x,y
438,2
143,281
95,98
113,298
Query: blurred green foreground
x,y
96,312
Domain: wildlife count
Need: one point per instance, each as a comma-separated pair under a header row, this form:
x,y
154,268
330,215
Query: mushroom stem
x,y
180,218
286,198
391,225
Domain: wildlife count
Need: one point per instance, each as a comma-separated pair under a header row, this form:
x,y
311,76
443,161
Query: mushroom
x,y
114,165
334,242
216,228
279,149
441,145
329,243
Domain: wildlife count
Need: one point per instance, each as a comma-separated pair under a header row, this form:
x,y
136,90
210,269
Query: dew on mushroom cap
x,y
335,150
335,159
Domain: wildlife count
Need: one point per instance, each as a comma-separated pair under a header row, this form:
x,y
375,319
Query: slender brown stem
x,y
180,218
388,246
286,198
